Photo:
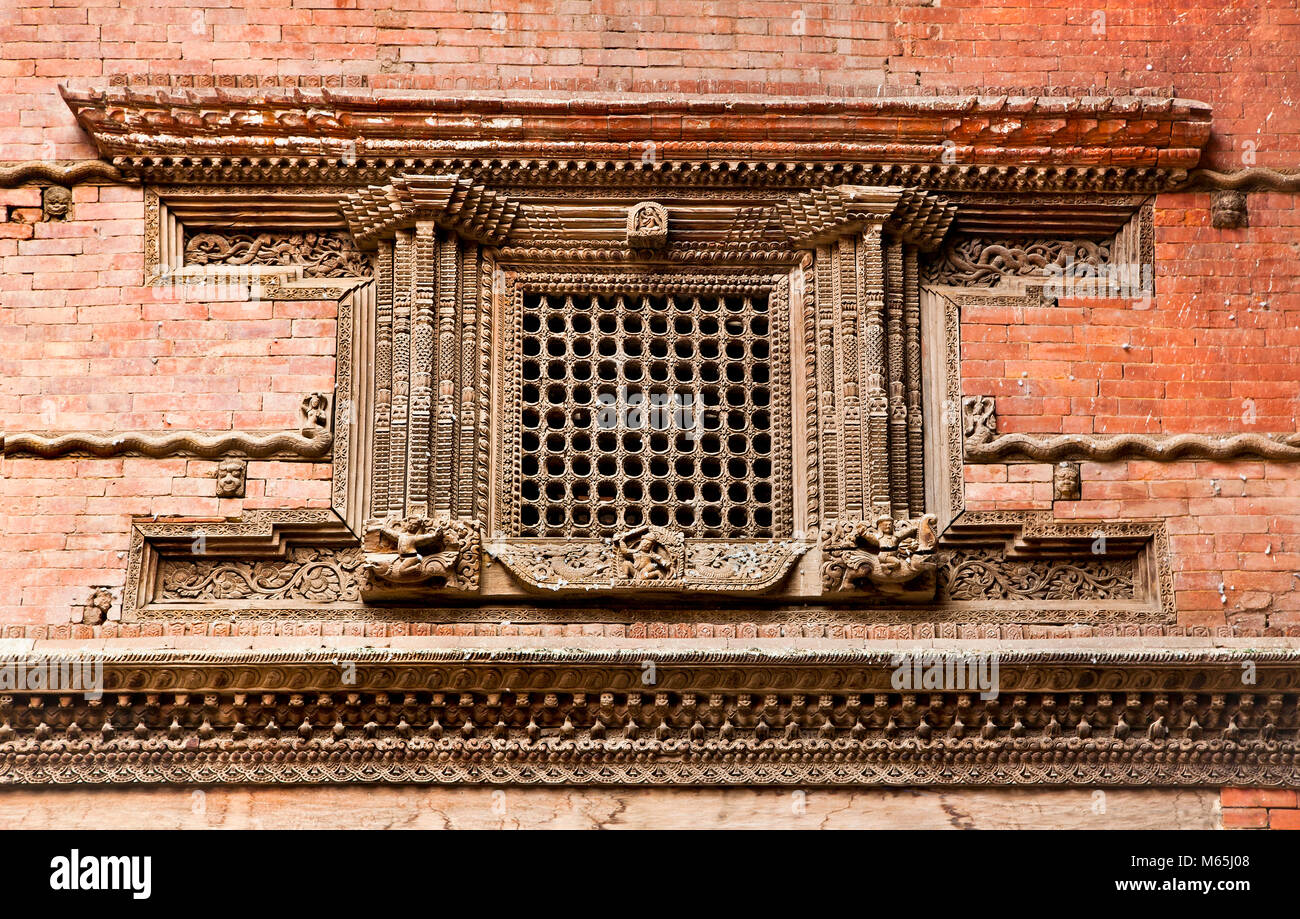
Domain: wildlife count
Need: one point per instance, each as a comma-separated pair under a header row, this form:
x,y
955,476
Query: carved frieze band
x,y
321,254
712,717
976,261
985,445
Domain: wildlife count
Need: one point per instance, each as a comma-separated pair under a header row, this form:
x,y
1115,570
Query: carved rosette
x,y
422,554
888,557
648,559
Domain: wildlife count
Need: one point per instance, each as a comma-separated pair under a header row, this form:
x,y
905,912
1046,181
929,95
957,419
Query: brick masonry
x,y
84,345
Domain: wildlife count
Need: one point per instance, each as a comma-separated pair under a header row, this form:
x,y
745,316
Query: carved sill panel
x,y
648,560
986,574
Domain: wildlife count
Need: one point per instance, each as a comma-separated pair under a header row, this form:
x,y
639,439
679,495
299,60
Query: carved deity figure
x,y
315,413
894,556
647,225
445,551
1067,484
97,608
230,475
642,554
978,422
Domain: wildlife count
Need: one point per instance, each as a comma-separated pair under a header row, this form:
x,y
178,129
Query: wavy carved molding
x,y
1091,717
158,444
55,174
984,445
1252,178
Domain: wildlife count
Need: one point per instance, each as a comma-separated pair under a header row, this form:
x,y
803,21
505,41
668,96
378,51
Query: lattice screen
x,y
649,408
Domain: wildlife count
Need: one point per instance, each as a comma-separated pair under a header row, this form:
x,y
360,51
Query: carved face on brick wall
x,y
231,474
57,202
1228,209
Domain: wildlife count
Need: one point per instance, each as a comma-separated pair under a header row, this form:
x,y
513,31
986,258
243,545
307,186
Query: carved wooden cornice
x,y
1120,131
701,715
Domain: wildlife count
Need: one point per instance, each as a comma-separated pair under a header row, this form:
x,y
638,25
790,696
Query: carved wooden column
x,y
430,379
868,351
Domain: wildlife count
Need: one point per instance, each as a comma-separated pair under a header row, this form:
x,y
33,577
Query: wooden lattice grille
x,y
657,408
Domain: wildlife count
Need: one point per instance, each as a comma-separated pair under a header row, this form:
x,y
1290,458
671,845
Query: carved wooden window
x,y
631,406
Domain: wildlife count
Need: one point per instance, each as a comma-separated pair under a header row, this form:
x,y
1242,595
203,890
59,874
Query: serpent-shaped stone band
x,y
1133,446
85,171
172,443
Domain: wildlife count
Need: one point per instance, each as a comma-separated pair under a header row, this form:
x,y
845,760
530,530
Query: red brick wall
x,y
86,347
1259,809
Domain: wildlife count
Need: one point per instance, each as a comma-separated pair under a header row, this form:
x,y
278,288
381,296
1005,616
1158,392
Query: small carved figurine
x,y
642,555
442,551
647,225
97,607
978,422
894,556
1067,482
231,473
315,414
